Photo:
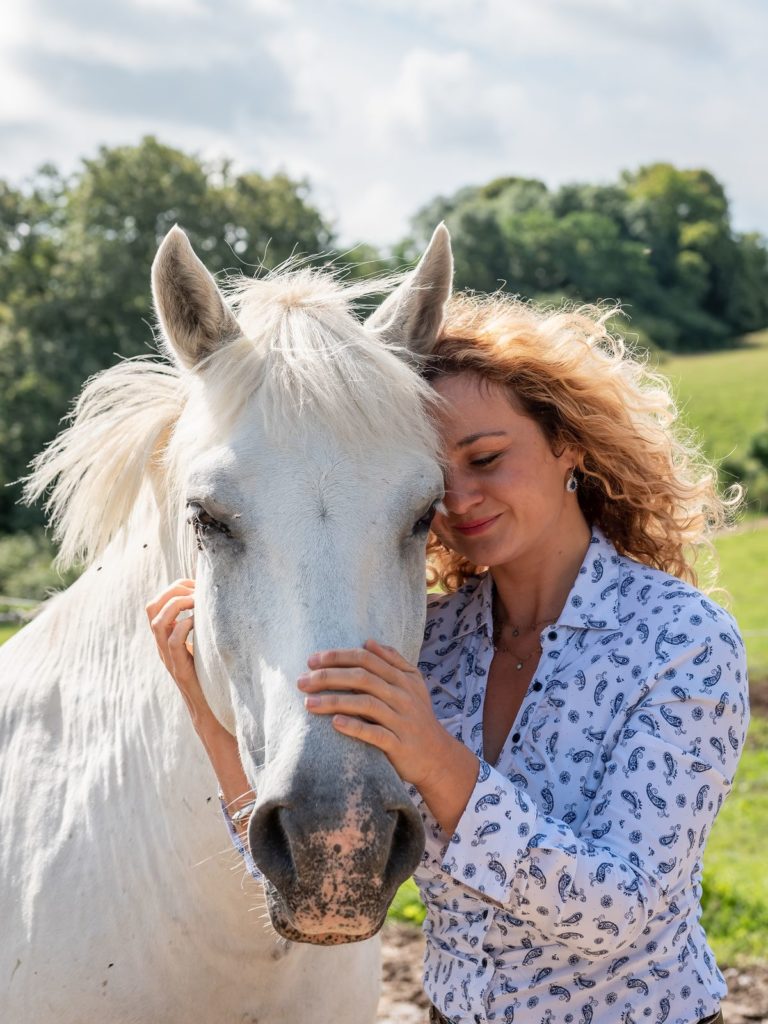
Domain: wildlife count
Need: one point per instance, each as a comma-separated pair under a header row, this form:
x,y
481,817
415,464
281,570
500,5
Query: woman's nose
x,y
460,499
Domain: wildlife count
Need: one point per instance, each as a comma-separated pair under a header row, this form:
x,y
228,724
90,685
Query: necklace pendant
x,y
519,665
515,631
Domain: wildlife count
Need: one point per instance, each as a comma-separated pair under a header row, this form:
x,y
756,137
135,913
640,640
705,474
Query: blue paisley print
x,y
569,892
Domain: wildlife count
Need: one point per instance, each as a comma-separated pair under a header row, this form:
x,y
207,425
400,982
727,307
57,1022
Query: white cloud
x,y
440,100
189,8
385,105
534,28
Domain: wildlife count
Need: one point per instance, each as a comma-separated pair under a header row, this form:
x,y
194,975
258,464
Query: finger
x,y
154,606
163,634
163,623
182,664
375,735
391,656
176,647
352,680
181,631
177,587
358,704
355,658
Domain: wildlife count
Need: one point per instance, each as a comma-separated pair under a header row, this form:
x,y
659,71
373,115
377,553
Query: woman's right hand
x,y
172,639
171,636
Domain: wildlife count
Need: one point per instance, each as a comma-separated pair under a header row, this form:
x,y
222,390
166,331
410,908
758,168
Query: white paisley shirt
x,y
569,892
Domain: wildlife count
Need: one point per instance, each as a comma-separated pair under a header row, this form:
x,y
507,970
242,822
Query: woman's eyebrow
x,y
476,437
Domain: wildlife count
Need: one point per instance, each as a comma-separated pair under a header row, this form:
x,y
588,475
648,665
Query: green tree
x,y
659,240
74,271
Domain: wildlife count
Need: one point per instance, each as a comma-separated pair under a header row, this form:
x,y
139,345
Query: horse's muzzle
x,y
333,882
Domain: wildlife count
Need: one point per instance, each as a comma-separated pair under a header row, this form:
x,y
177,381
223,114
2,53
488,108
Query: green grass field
x,y
735,879
724,395
6,631
744,574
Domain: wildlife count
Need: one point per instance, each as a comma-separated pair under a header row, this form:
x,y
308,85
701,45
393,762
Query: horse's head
x,y
309,470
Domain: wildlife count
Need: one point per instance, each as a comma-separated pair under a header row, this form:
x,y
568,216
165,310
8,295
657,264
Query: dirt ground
x,y
403,1002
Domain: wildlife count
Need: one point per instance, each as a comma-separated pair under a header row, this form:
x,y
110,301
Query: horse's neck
x,y
92,649
129,729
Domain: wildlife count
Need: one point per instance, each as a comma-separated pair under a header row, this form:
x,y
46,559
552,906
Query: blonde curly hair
x,y
642,477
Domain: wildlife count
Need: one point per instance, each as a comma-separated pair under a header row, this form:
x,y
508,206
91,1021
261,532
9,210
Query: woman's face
x,y
505,488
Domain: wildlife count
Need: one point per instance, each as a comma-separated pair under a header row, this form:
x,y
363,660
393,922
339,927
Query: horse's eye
x,y
422,525
203,523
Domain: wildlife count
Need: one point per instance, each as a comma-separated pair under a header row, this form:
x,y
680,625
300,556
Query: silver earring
x,y
571,483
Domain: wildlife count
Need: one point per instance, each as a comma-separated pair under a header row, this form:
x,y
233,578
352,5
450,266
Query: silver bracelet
x,y
243,814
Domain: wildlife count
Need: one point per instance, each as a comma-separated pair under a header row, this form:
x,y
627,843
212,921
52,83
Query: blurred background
x,y
579,150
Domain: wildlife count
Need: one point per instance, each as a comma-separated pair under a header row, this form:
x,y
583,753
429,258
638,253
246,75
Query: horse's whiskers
x,y
250,793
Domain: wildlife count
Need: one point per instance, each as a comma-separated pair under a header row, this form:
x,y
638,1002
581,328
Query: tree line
x,y
75,253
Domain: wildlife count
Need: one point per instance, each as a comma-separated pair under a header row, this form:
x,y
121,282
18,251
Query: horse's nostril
x,y
406,849
270,847
295,855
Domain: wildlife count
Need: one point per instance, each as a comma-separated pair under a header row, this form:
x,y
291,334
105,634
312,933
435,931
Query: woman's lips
x,y
476,526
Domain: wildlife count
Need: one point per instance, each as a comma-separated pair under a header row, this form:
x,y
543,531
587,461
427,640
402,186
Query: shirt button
x,y
536,686
552,635
515,737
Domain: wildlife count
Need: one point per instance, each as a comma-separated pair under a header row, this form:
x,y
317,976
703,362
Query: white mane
x,y
301,348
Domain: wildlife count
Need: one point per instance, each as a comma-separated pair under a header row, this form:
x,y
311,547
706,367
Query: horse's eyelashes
x,y
422,525
203,522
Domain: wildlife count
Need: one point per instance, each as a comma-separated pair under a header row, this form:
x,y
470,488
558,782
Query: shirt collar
x,y
593,602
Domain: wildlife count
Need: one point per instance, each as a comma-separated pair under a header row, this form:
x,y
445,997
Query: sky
x,y
384,104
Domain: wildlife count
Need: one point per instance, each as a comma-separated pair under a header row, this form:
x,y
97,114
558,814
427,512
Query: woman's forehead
x,y
472,405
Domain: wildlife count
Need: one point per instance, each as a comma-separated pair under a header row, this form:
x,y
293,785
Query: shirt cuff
x,y
239,845
492,836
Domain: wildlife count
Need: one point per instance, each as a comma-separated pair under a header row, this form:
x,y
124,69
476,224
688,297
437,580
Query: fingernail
x,y
303,680
311,701
313,660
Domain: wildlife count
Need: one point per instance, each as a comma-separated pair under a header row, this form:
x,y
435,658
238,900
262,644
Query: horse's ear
x,y
410,318
195,318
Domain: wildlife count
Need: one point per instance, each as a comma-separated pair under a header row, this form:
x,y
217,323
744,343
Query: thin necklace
x,y
499,648
519,662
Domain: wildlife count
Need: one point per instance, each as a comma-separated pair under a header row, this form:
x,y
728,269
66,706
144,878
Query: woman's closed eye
x,y
485,460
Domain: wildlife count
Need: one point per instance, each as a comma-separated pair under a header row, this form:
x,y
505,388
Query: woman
x,y
579,707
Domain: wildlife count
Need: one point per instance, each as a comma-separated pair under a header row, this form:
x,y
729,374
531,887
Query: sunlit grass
x,y
735,878
7,630
723,395
744,574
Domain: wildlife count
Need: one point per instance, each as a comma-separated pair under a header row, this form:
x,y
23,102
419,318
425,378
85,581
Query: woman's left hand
x,y
380,699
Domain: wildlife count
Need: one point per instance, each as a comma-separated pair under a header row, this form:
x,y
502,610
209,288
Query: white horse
x,y
292,446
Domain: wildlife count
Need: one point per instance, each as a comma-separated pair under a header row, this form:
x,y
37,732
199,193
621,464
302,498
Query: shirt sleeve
x,y
436,841
666,776
239,845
